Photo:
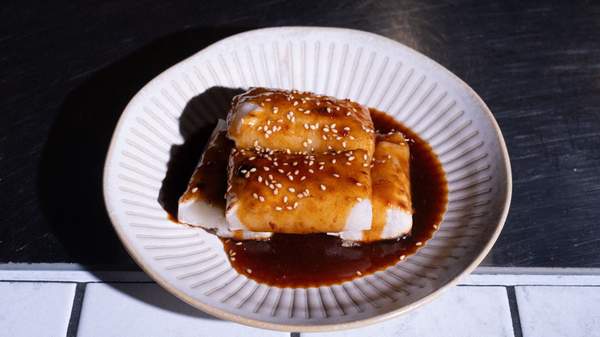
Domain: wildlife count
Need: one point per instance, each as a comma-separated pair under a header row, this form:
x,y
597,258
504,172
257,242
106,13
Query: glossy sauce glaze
x,y
288,260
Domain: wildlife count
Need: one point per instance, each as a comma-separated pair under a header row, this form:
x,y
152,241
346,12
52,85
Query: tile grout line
x,y
76,310
514,311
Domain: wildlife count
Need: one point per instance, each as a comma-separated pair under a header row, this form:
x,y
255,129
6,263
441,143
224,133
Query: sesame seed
x,y
311,171
321,168
266,168
277,208
249,271
289,208
358,184
336,175
291,178
195,189
255,196
295,204
358,273
359,199
333,161
292,190
285,199
302,178
261,198
323,187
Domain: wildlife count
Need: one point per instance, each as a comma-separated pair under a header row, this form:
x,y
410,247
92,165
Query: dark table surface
x,y
67,70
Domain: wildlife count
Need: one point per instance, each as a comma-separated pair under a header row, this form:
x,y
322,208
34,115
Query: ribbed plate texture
x,y
369,69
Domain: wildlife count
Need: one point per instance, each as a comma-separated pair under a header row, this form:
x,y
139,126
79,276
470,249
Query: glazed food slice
x,y
391,198
291,193
203,203
299,122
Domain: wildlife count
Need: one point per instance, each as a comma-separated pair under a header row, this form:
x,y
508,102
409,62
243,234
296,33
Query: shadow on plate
x,y
196,124
70,183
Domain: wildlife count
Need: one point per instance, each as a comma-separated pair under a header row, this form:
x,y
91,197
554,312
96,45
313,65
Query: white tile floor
x,y
147,310
492,302
547,311
461,311
35,309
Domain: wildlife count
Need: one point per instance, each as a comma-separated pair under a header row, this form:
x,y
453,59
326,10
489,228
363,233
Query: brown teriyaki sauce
x,y
288,260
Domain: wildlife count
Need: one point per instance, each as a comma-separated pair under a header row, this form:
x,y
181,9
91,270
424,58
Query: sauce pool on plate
x,y
289,260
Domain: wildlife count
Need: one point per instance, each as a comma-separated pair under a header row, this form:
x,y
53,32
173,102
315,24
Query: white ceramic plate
x,y
344,63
